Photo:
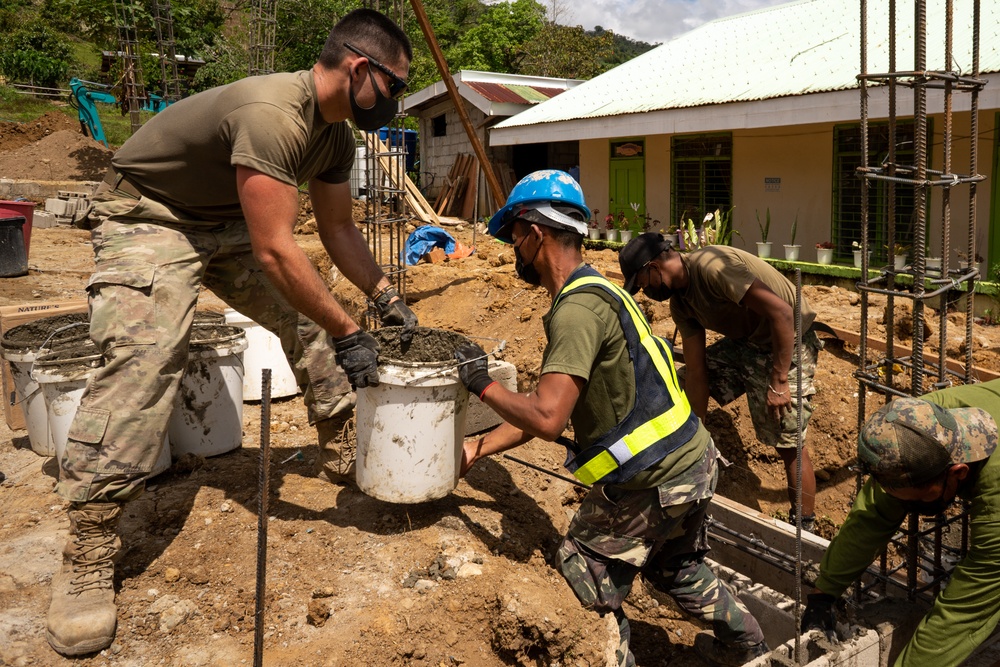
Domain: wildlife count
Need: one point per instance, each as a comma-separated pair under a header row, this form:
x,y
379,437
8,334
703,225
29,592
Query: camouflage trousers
x,y
151,263
660,534
736,368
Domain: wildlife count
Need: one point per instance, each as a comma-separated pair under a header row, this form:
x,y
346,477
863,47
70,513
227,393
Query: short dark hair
x,y
564,237
371,31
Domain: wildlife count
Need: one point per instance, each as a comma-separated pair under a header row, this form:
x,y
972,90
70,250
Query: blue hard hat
x,y
546,189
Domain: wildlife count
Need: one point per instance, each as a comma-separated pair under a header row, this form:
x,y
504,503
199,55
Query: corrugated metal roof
x,y
792,49
513,94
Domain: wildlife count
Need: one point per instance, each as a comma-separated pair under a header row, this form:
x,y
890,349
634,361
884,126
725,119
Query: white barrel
x,y
62,386
410,430
208,414
29,395
263,351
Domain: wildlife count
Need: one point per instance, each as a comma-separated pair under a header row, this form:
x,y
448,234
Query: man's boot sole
x,y
84,648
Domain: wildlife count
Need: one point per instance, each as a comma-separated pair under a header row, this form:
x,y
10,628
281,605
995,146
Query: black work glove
x,y
396,314
820,614
473,368
357,354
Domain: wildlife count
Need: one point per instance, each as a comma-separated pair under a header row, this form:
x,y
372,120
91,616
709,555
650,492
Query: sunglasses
x,y
397,86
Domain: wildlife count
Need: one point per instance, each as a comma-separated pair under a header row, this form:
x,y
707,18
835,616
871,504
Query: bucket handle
x,y
65,327
13,396
499,347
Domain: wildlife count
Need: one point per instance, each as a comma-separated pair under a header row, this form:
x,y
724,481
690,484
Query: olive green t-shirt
x,y
585,339
719,277
186,156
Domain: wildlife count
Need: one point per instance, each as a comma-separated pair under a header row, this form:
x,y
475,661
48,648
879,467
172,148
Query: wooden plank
x,y
456,182
468,207
461,186
448,181
905,351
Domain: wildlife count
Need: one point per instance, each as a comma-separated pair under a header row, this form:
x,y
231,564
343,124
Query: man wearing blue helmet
x,y
650,460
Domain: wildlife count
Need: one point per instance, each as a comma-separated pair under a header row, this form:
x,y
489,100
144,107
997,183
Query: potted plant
x,y
824,252
792,249
764,246
933,264
611,234
857,250
621,226
593,231
635,227
899,256
963,260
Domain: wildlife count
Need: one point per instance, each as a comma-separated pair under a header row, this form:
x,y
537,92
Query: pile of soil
x,y
65,155
15,135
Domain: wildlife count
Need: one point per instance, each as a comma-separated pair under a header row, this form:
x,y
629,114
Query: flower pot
x,y
792,252
625,235
594,233
857,258
612,235
764,249
932,264
899,262
824,255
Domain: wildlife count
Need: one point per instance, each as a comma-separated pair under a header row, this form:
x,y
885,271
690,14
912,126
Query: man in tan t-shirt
x,y
738,295
206,194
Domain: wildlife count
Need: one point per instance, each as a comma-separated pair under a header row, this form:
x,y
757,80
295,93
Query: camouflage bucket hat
x,y
910,441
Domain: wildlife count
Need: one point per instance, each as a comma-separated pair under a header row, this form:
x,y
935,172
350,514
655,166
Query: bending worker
x,y
206,194
742,297
652,462
922,454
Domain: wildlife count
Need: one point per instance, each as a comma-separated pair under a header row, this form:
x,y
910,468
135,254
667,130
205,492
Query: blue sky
x,y
653,20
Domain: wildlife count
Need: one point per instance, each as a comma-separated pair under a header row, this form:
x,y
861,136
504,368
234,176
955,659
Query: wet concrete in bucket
x,y
427,345
46,331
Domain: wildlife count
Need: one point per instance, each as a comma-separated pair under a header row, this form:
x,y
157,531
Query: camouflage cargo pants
x,y
661,534
151,263
736,368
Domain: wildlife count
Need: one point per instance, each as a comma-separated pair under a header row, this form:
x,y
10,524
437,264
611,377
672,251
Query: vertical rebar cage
x,y
928,545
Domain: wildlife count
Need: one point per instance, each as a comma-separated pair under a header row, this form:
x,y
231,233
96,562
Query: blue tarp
x,y
423,240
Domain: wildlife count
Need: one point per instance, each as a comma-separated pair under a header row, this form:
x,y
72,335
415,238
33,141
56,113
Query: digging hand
x,y
357,354
396,314
820,614
473,368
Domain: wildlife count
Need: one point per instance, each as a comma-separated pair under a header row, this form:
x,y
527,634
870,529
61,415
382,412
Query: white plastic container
x,y
62,386
410,430
32,401
263,351
208,414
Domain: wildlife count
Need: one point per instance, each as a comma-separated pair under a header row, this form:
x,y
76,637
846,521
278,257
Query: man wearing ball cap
x,y
922,454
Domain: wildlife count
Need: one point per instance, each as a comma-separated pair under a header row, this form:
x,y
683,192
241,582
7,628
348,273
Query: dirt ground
x,y
464,580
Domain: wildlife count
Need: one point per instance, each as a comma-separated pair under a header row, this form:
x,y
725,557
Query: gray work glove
x,y
820,614
357,354
473,368
396,314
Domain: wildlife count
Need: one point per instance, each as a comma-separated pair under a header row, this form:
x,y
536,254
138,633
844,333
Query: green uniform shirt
x,y
966,611
186,155
585,339
719,277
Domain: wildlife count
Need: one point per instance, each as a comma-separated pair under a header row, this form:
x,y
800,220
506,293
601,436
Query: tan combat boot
x,y
336,448
82,612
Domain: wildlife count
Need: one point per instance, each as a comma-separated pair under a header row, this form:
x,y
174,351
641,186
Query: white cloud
x,y
655,20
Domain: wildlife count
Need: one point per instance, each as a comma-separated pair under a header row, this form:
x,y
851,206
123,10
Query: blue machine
x,y
84,94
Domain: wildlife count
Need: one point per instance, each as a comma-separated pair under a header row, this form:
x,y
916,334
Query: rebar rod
x,y
798,466
263,490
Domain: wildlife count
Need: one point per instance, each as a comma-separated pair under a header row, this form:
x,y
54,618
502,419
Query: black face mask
x,y
526,272
659,293
929,508
376,116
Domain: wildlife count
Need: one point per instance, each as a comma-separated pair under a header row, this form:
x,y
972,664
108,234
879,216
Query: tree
x,y
497,42
565,52
34,55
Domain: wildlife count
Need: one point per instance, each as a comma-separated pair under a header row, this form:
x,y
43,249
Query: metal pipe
x,y
263,491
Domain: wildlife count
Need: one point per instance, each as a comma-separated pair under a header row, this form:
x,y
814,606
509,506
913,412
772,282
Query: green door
x,y
628,186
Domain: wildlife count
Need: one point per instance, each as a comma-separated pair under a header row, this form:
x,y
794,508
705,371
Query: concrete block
x,y
56,206
480,416
44,220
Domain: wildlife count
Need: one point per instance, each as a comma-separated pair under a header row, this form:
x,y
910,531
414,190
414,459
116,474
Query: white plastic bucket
x,y
410,430
63,382
208,416
29,395
263,351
